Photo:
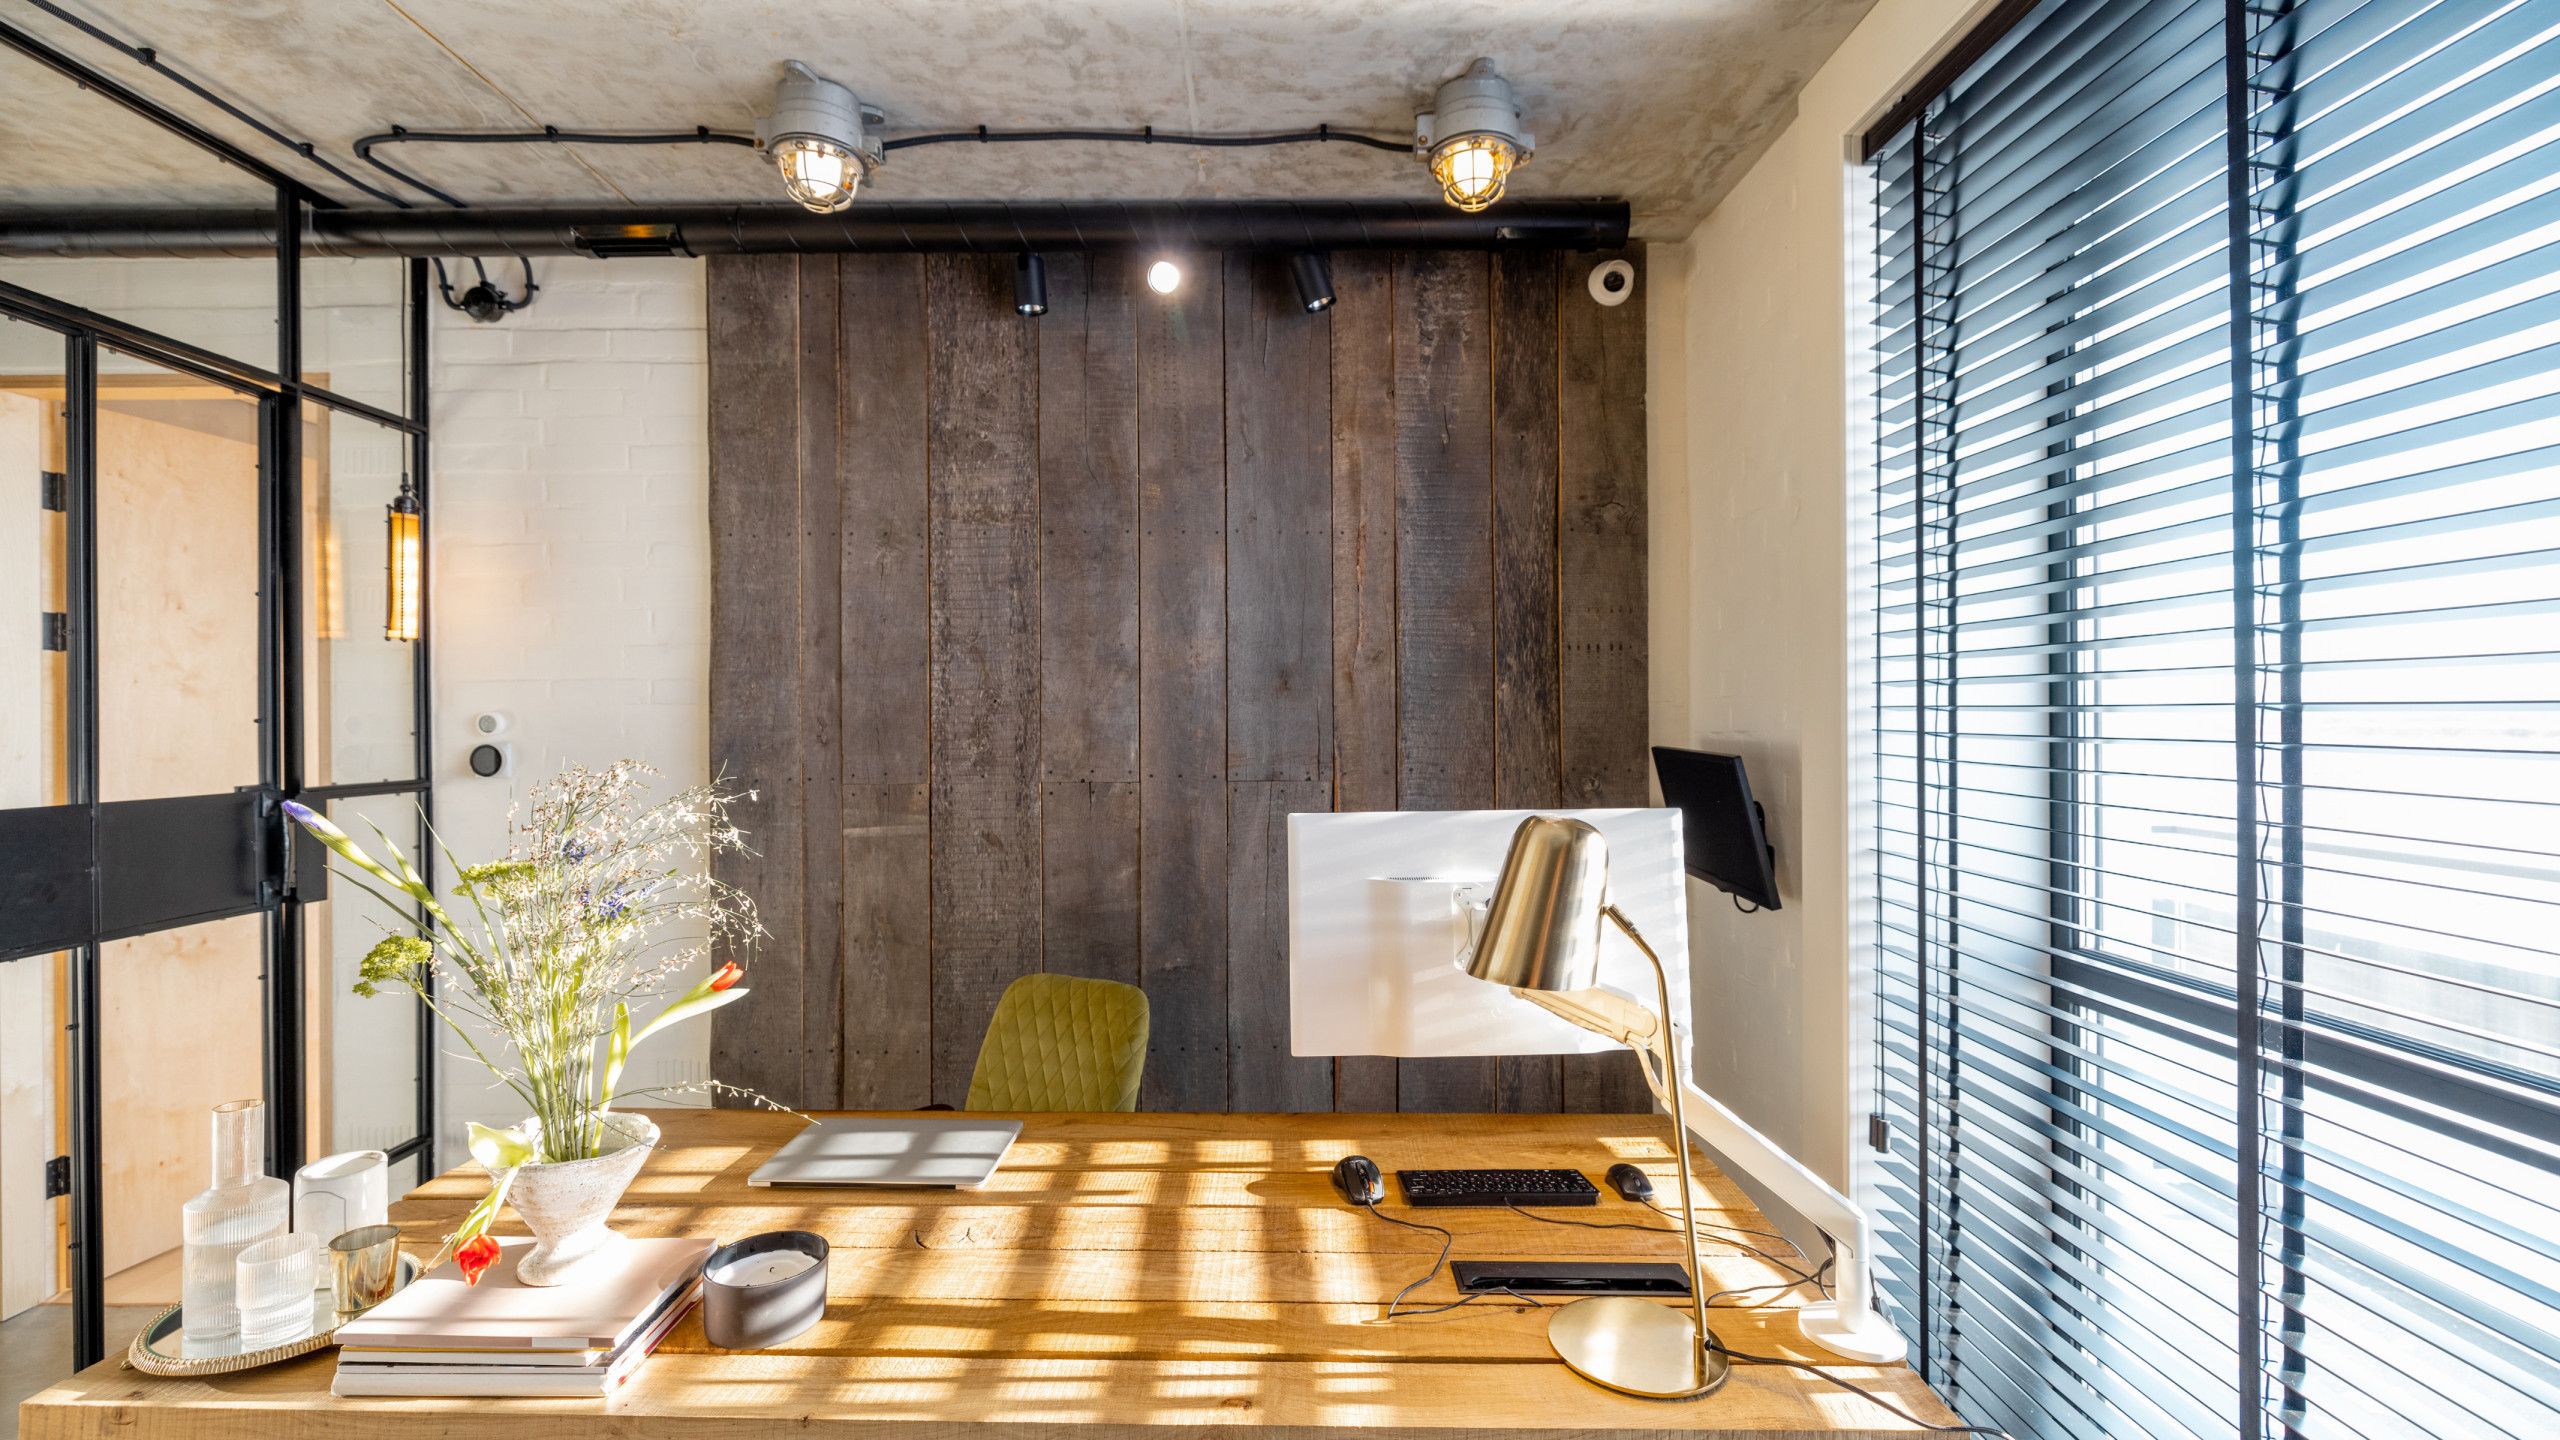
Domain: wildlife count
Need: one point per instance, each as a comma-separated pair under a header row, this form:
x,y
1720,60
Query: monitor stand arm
x,y
1849,1326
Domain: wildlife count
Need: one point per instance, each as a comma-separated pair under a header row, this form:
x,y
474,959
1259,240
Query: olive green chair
x,y
1059,1042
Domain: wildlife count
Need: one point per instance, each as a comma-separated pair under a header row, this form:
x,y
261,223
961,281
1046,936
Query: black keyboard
x,y
1496,1187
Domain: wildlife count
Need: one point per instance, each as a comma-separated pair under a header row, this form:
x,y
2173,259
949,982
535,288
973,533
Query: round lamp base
x,y
1875,1342
1636,1346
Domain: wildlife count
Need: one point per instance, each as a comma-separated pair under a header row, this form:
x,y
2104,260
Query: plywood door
x,y
177,518
30,762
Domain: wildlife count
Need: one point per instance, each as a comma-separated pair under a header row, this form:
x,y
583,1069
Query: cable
x,y
1738,905
1861,1391
1150,136
150,59
547,135
1446,1240
1781,1286
705,135
485,301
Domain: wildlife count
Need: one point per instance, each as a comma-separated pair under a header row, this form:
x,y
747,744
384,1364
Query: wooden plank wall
x,y
1030,635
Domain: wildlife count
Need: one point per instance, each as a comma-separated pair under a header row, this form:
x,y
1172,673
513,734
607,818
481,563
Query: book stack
x,y
440,1336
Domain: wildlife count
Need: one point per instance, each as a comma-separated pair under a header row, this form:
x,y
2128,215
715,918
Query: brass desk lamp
x,y
1541,937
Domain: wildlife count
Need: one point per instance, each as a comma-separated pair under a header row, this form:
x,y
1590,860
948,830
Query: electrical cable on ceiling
x,y
705,135
485,302
150,59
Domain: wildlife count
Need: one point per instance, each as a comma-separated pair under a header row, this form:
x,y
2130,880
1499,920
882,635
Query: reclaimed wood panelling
x,y
821,717
883,674
1089,619
1527,773
1444,578
983,505
1279,659
754,317
1182,690
1362,333
1603,713
1032,633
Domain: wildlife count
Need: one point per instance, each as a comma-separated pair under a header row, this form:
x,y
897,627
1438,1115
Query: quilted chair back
x,y
1060,1042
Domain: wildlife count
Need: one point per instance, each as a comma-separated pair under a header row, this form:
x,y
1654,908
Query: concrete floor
x,y
35,1351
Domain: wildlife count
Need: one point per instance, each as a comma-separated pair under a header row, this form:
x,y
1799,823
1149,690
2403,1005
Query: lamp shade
x,y
401,613
1543,930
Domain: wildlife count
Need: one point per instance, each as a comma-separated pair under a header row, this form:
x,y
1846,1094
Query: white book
x,y
607,1301
505,1380
372,1356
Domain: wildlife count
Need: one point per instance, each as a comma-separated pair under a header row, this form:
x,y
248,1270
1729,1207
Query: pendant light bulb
x,y
820,138
402,610
1472,137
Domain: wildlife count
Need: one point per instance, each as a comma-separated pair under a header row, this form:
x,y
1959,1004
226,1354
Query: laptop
x,y
953,1153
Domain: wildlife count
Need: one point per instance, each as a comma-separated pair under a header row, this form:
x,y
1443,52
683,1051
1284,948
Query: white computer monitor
x,y
1377,921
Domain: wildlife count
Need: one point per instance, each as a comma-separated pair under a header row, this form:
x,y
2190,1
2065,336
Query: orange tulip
x,y
475,1257
727,976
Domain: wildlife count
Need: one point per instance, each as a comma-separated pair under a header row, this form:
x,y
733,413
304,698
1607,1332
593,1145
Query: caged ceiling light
x,y
1471,137
821,138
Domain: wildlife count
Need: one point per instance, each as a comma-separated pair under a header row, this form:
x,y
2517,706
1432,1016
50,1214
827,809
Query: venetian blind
x,y
2218,720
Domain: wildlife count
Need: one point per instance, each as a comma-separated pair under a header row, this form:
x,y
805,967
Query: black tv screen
x,y
1724,832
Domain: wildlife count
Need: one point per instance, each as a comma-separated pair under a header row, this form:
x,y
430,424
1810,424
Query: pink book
x,y
607,1300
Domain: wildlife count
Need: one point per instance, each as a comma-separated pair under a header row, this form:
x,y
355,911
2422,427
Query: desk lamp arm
x,y
1850,1325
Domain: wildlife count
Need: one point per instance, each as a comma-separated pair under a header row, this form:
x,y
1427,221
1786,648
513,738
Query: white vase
x,y
565,1204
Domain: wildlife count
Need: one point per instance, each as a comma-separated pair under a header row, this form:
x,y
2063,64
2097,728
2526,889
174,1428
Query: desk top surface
x,y
1126,1272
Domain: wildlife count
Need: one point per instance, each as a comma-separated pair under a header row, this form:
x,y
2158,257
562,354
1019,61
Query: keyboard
x,y
1496,1187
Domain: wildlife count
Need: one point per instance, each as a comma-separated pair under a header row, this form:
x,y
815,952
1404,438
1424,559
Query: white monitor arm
x,y
1849,1326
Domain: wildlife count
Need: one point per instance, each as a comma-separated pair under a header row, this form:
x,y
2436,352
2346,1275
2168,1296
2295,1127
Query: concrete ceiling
x,y
1659,102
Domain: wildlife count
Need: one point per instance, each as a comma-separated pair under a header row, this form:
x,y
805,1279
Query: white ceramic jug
x,y
337,1193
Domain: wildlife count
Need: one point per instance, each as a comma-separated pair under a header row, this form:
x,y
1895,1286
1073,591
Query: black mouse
x,y
1630,1182
1357,1177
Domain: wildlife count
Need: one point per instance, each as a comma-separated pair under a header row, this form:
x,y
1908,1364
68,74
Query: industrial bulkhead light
x,y
1471,137
401,609
820,137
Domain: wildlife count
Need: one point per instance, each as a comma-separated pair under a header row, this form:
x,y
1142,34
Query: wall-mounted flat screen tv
x,y
1724,832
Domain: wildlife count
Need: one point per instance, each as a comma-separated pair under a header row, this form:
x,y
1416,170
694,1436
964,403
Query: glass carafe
x,y
243,1206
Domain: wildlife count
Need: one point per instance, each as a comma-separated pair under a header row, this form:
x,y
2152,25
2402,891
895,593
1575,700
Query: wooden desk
x,y
1123,1275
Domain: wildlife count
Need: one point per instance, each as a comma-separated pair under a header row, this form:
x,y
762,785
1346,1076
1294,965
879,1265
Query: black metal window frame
x,y
287,871
2266,1022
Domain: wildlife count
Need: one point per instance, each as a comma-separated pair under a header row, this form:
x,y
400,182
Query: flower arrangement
x,y
558,940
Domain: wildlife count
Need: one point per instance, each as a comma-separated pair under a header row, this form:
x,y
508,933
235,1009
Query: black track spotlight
x,y
1314,274
1030,285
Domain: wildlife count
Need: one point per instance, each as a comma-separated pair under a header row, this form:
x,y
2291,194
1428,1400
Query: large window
x,y
2218,720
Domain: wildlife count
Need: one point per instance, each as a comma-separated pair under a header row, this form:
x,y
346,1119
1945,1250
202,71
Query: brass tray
x,y
159,1347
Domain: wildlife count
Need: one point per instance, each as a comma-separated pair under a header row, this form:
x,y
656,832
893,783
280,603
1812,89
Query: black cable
x,y
547,135
1861,1391
150,59
1738,905
1781,1286
1446,1240
505,305
705,135
1150,136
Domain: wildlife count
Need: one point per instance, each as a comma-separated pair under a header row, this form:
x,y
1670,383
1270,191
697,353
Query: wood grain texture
x,y
1182,692
983,507
1444,579
1362,337
1089,521
820,673
754,314
1261,1073
1527,772
1604,703
1152,1274
1279,523
1089,878
886,1012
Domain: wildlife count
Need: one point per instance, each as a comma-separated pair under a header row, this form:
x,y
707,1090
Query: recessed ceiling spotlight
x,y
1314,275
1164,277
819,139
1471,137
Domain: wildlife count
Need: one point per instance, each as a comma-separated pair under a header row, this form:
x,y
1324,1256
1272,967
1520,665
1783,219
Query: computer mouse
x,y
1357,1177
1630,1182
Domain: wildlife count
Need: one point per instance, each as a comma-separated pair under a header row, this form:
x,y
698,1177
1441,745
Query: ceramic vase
x,y
565,1204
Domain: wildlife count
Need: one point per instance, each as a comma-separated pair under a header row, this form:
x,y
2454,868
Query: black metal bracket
x,y
57,1177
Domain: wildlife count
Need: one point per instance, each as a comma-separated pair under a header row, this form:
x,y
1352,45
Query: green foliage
x,y
394,960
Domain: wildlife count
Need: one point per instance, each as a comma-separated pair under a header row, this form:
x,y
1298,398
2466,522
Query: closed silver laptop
x,y
954,1153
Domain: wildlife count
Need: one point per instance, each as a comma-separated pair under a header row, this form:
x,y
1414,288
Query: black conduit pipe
x,y
990,227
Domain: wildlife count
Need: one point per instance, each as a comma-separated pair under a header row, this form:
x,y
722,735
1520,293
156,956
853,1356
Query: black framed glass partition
x,y
196,546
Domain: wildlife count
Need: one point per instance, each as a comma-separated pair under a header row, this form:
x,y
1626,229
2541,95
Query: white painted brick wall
x,y
572,564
